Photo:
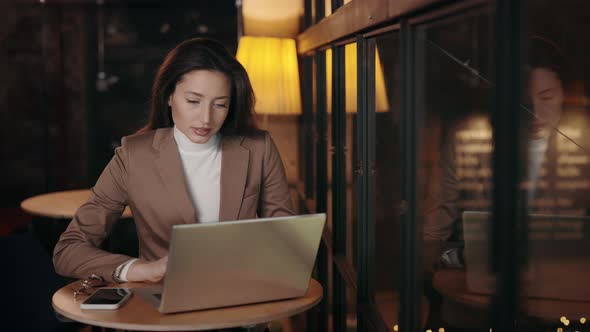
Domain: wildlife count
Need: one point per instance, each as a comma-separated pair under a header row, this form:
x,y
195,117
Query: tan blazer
x,y
146,173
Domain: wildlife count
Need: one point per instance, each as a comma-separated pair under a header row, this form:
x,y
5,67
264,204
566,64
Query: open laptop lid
x,y
246,261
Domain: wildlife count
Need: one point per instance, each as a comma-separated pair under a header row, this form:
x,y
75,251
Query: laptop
x,y
238,262
557,261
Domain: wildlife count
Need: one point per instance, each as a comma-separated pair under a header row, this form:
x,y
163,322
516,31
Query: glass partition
x,y
351,148
387,176
350,144
555,166
454,69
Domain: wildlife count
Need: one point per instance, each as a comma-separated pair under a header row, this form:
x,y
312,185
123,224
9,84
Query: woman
x,y
548,81
200,158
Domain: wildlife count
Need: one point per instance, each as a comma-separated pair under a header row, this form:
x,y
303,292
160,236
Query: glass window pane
x,y
387,177
328,284
350,148
555,165
454,174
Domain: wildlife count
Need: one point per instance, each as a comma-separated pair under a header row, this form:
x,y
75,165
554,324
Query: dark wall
x,y
138,35
60,123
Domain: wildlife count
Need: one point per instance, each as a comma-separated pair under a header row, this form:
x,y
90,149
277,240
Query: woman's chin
x,y
199,139
538,132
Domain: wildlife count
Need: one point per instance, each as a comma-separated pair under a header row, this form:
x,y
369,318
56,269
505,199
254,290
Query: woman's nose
x,y
206,116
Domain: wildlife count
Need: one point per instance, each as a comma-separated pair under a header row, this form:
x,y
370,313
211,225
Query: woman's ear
x,y
170,100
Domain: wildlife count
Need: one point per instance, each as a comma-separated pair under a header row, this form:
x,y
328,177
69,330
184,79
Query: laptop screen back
x,y
239,262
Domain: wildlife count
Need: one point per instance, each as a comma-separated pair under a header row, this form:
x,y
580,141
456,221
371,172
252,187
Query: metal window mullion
x,y
371,144
321,176
505,251
363,294
361,171
320,10
338,183
365,142
321,143
321,169
307,19
336,4
339,146
308,134
410,293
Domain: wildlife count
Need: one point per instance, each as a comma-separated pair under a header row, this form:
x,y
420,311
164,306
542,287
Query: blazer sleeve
x,y
441,216
275,198
440,221
77,253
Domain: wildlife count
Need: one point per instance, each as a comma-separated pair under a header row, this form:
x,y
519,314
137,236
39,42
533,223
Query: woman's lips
x,y
536,126
201,131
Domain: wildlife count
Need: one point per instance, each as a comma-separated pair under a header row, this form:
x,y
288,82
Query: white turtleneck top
x,y
202,169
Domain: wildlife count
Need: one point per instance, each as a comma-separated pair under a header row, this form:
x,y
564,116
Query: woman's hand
x,y
147,271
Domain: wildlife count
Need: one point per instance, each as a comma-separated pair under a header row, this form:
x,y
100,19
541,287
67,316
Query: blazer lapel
x,y
170,168
234,170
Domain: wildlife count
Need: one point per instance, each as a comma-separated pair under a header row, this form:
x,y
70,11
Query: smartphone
x,y
106,298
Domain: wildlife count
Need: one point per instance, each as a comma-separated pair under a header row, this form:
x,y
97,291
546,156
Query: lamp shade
x,y
350,67
271,64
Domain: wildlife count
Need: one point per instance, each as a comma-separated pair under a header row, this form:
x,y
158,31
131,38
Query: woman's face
x,y
547,97
200,104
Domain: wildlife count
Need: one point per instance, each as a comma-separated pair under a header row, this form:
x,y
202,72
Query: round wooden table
x,y
137,314
453,285
60,204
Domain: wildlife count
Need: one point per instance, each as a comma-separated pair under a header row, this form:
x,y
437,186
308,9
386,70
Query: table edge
x,y
180,327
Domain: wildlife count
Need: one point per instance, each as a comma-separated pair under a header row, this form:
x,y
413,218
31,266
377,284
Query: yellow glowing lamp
x,y
350,65
271,64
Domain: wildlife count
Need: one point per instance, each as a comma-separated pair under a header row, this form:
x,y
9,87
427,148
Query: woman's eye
x,y
220,105
193,101
549,94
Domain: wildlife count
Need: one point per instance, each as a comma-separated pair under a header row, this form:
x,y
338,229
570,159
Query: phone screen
x,y
107,296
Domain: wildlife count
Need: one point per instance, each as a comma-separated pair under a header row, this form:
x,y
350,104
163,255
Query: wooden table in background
x,y
60,204
137,314
56,210
453,286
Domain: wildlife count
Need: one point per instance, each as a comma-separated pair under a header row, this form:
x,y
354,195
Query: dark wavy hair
x,y
545,53
203,54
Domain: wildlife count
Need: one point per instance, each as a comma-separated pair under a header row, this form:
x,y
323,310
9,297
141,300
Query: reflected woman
x,y
199,159
548,124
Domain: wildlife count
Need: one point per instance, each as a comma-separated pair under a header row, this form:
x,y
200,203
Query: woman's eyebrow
x,y
201,95
546,90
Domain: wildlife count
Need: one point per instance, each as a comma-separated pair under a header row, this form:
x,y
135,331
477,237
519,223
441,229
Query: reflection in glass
x,y
554,187
351,149
387,177
351,317
556,165
382,105
350,96
454,165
